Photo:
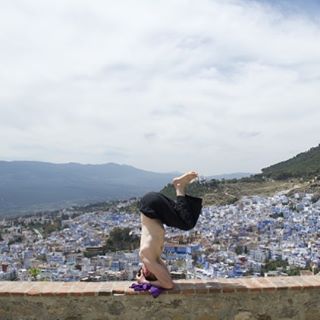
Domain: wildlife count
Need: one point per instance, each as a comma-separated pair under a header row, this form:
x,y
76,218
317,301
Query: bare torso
x,y
152,236
152,240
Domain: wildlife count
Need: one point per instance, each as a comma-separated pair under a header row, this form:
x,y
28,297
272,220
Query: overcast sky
x,y
171,85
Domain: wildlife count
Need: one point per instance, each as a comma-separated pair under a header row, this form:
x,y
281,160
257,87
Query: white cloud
x,y
172,85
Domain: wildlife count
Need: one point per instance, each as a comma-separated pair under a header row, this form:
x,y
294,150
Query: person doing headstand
x,y
157,209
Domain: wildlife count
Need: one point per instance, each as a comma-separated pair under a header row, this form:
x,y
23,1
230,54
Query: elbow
x,y
169,285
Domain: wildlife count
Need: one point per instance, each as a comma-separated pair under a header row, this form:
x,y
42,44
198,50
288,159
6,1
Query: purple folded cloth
x,y
155,291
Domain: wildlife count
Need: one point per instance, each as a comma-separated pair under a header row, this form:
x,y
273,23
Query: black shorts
x,y
182,213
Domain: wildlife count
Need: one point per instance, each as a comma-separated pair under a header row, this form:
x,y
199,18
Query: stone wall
x,y
279,298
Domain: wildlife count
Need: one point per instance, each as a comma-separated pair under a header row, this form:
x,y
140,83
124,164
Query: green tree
x,y
239,249
121,239
34,272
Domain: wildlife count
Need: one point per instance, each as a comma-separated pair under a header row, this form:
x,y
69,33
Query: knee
x,y
146,201
169,285
148,195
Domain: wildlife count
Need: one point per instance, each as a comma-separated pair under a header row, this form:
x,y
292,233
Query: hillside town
x,y
255,236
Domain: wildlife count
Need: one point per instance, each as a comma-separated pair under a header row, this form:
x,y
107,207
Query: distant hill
x,y
222,192
226,189
33,185
305,164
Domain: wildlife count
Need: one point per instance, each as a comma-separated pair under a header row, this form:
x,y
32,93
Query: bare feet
x,y
181,182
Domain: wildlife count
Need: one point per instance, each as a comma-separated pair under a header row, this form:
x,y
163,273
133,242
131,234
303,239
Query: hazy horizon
x,y
125,164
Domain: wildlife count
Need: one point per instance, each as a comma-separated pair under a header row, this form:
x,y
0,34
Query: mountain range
x,y
33,185
27,186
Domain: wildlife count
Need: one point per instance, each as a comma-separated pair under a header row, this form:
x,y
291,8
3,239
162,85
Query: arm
x,y
164,265
160,271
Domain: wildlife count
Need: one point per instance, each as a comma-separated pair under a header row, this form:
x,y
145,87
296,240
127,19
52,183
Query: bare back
x,y
152,236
